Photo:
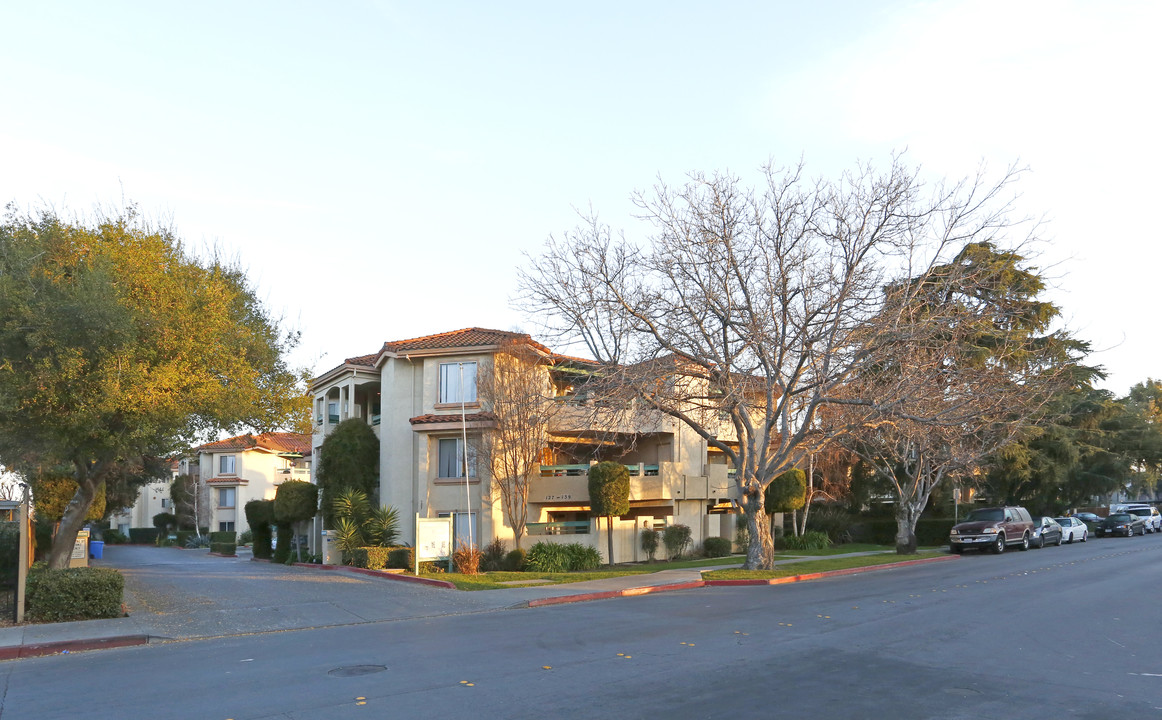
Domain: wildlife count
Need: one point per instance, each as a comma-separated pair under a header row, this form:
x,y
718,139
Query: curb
x,y
628,592
829,573
67,646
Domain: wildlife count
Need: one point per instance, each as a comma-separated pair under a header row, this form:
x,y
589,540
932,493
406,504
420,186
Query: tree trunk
x,y
71,523
907,514
609,535
517,534
760,555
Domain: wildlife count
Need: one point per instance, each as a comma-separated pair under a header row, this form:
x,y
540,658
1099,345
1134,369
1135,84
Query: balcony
x,y
570,483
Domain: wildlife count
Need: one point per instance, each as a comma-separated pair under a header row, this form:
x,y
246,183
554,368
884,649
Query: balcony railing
x,y
574,527
583,470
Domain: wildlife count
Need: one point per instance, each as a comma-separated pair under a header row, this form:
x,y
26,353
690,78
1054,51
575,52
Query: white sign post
x,y
433,540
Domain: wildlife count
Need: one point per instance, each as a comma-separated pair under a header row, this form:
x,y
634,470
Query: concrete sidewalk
x,y
185,595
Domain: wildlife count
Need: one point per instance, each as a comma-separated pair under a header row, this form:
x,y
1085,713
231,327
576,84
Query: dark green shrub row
x,y
716,547
223,548
553,557
246,538
184,536
114,537
810,540
371,558
144,536
224,536
929,531
80,593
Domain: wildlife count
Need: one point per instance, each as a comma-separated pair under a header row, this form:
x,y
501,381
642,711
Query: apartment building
x,y
420,396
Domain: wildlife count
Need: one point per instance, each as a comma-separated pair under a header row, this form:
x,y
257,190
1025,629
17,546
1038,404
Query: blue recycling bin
x,y
96,549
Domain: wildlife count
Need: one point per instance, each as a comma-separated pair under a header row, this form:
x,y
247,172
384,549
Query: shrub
x,y
223,548
741,533
9,548
143,536
163,541
466,559
492,558
224,536
810,540
649,542
553,557
114,537
515,560
74,594
582,557
283,550
246,538
260,517
163,521
371,558
197,541
716,547
787,492
832,520
676,537
295,502
183,538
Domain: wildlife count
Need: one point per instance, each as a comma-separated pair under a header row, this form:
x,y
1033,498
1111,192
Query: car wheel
x,y
1040,542
999,545
1130,531
956,549
1060,539
1085,536
1025,541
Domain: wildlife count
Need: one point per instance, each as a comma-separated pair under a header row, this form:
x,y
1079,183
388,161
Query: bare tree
x,y
517,389
745,313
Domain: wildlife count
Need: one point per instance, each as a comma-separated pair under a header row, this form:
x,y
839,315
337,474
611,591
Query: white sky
x,y
381,167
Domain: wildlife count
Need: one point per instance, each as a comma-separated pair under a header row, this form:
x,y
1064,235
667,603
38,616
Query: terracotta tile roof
x,y
451,417
233,480
282,442
467,337
368,360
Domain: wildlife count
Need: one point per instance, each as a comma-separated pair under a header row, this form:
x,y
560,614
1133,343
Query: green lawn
x,y
814,566
496,580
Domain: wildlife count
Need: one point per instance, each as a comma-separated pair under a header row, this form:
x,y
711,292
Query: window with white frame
x,y
451,451
227,497
226,526
458,382
225,464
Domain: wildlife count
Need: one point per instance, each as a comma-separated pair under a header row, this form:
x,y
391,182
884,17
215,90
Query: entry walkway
x,y
176,594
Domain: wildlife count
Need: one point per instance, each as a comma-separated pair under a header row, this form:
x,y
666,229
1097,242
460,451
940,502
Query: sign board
x,y
433,539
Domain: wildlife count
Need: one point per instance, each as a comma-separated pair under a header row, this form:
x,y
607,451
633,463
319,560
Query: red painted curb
x,y
629,592
828,573
52,648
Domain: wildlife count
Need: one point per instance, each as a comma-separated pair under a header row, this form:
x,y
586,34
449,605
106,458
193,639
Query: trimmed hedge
x,y
81,593
810,540
224,536
371,558
144,536
929,531
223,548
283,550
515,560
716,547
183,537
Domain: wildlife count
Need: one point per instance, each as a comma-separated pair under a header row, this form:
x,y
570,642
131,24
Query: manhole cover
x,y
355,670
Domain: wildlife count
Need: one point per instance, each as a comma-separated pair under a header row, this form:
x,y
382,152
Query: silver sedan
x,y
1072,529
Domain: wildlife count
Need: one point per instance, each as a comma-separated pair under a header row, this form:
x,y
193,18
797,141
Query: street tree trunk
x,y
609,536
73,521
907,514
760,555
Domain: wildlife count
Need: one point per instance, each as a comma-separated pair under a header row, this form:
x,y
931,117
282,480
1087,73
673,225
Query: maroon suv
x,y
993,529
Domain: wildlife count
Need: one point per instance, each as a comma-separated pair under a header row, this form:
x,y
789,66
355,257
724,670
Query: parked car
x,y
1122,523
1149,513
1088,517
994,529
1047,532
1073,528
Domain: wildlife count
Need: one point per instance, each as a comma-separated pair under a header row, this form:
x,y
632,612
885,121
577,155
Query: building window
x,y
452,458
458,382
225,464
164,502
226,497
226,526
333,412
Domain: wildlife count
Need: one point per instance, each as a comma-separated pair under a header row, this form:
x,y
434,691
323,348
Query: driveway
x,y
183,594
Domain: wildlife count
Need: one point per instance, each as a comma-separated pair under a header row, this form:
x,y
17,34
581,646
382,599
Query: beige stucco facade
x,y
675,477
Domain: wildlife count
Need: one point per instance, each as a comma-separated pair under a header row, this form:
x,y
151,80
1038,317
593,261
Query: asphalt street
x,y
1068,632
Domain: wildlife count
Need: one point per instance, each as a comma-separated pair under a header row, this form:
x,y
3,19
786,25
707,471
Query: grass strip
x,y
808,567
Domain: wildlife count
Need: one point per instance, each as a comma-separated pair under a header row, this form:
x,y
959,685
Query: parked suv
x,y
1149,513
994,529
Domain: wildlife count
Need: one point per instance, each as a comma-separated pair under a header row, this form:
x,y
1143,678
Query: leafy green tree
x,y
786,493
116,345
295,503
52,493
348,459
260,518
609,494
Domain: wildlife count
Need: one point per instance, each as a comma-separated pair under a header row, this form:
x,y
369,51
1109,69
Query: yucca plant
x,y
348,535
382,526
351,504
